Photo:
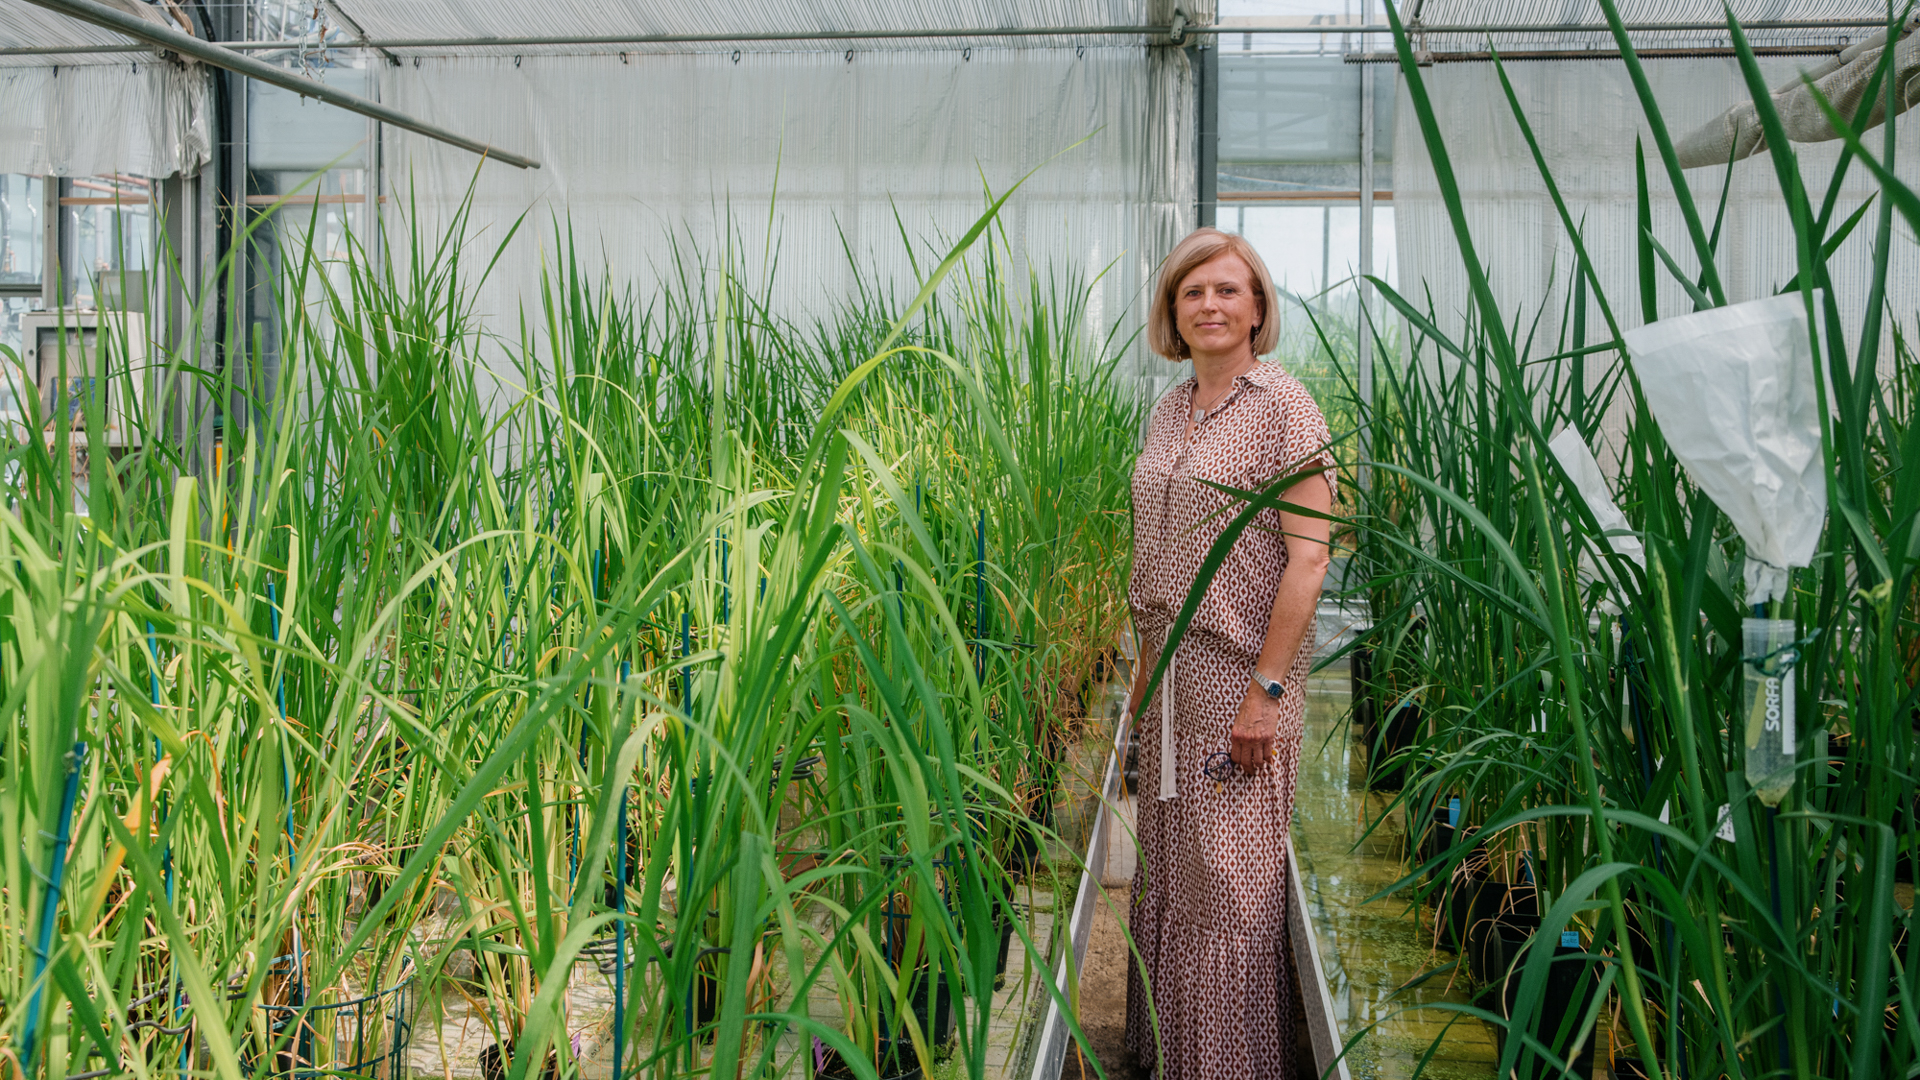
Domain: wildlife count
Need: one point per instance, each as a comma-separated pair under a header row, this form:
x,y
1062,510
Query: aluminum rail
x,y
1055,1035
1177,33
165,37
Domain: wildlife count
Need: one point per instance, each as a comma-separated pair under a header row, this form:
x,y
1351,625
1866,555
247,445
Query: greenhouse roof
x,y
1686,16
403,28
451,27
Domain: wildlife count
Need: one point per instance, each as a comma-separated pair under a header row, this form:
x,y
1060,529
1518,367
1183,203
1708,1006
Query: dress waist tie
x,y
1169,788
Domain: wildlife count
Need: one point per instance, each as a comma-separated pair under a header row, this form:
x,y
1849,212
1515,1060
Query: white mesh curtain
x,y
640,150
1587,117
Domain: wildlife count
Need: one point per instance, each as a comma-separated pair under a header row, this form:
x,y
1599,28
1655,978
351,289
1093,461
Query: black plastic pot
x,y
1436,835
1402,731
1360,687
1502,918
1476,902
1456,899
703,1004
1491,948
492,1067
1003,923
828,1065
1572,982
933,1008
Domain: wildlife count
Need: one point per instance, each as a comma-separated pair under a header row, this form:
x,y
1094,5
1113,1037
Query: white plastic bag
x,y
1572,453
1733,390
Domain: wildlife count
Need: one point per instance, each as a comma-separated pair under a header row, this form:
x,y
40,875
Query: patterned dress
x,y
1209,897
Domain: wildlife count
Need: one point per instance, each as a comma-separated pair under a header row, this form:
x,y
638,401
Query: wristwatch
x,y
1274,687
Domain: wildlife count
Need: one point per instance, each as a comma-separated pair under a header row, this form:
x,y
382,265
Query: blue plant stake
x,y
980,601
153,688
298,992
280,693
50,908
620,924
506,617
573,814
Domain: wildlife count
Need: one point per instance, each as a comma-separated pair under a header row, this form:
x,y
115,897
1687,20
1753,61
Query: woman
x,y
1219,744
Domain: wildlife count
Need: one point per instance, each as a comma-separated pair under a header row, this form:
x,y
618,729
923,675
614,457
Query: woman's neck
x,y
1216,372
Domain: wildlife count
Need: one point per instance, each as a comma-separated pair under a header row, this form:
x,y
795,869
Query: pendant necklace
x,y
1200,412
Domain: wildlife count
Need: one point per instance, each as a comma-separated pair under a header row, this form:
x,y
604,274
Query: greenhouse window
x,y
23,250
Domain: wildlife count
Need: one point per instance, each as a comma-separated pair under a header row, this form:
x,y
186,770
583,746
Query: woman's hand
x,y
1255,731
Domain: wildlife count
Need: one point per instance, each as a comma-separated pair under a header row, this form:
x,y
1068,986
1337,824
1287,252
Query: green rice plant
x,y
671,648
1584,716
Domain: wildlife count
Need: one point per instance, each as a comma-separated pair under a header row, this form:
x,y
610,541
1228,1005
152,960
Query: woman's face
x,y
1217,307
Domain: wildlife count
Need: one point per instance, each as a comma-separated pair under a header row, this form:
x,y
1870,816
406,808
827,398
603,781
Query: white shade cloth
x,y
138,118
831,157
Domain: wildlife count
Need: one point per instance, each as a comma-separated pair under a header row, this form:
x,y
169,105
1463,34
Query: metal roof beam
x,y
167,38
1175,32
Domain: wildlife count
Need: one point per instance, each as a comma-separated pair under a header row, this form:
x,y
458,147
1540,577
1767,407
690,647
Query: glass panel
x,y
109,242
11,308
1306,248
287,132
323,218
1304,109
22,229
1294,108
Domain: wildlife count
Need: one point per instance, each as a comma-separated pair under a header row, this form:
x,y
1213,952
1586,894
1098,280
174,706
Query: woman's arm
x,y
1142,670
1308,552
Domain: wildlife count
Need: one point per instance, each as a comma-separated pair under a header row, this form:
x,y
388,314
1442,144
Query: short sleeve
x,y
1304,439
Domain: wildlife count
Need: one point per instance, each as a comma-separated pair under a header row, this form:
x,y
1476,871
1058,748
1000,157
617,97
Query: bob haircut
x,y
1202,245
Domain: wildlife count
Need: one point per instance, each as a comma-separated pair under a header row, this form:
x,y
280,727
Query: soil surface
x,y
1103,999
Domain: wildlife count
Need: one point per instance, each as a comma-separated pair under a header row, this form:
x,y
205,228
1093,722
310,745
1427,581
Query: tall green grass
x,y
733,645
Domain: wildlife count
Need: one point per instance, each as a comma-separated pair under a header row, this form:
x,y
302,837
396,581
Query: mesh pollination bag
x,y
1733,391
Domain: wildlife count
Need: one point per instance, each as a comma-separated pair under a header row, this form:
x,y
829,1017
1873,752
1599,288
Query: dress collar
x,y
1261,374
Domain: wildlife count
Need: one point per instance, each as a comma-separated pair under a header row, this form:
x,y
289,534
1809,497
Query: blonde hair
x,y
1202,245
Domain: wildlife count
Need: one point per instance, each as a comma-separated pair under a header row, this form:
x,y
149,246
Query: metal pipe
x,y
1207,133
166,37
1363,291
720,38
1701,53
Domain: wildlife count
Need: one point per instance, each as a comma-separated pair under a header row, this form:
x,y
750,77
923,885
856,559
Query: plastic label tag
x,y
1569,939
1453,810
1724,830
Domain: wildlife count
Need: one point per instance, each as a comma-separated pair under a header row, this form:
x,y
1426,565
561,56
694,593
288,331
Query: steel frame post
x,y
1363,327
